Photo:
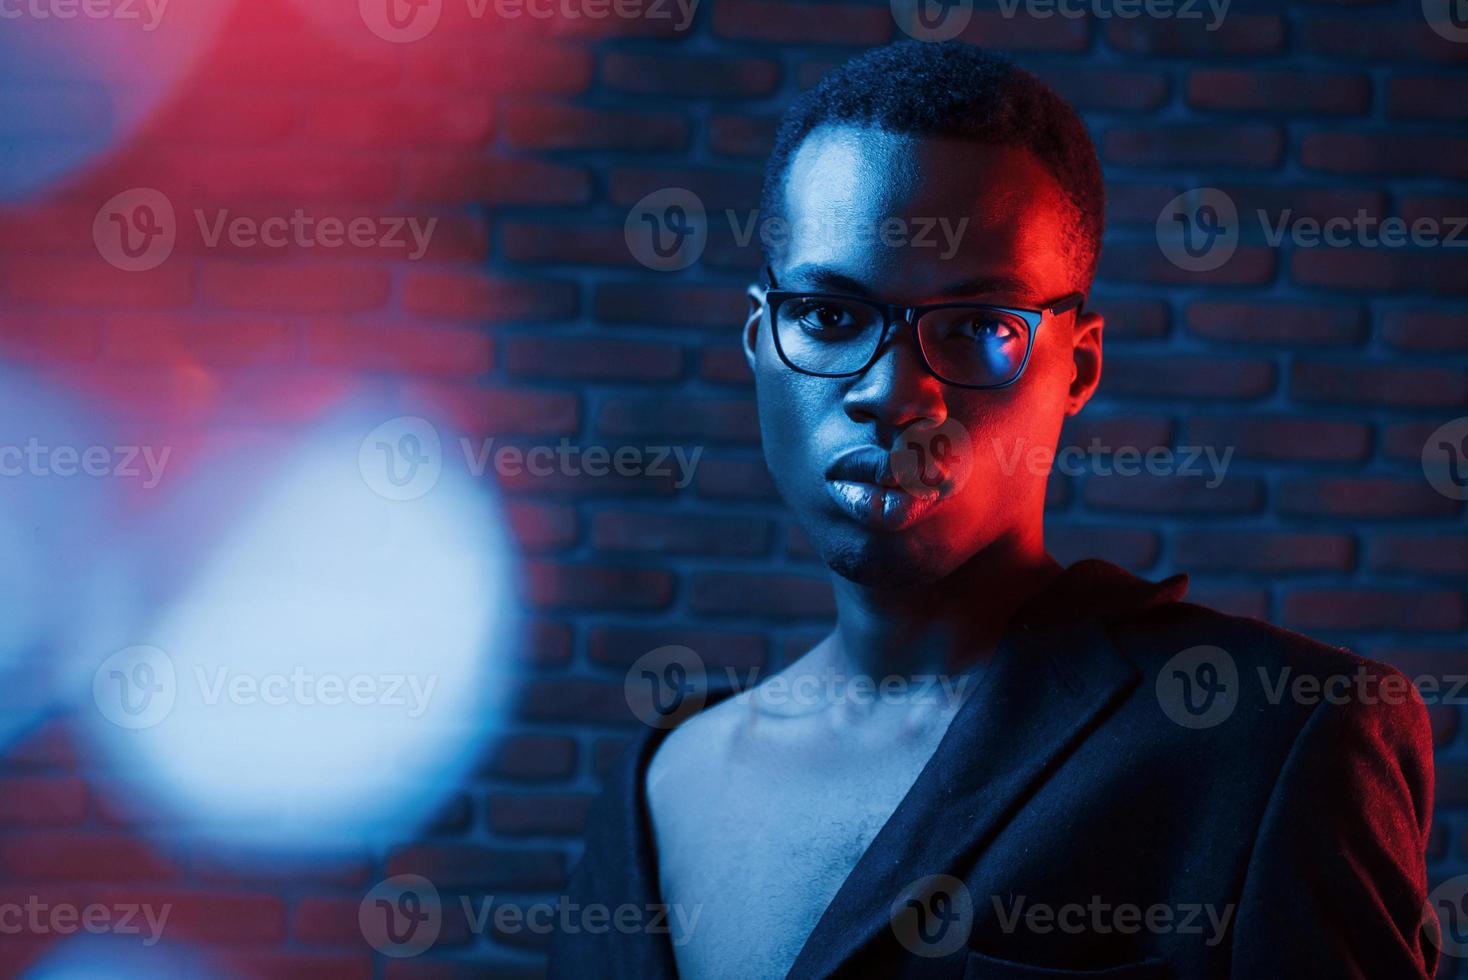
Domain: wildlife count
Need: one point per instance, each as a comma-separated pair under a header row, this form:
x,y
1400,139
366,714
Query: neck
x,y
941,627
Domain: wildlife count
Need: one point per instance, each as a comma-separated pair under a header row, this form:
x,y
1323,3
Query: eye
x,y
991,330
825,317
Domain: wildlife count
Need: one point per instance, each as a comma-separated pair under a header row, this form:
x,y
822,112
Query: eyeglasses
x,y
969,345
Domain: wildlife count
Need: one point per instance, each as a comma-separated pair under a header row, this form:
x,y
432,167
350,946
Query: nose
x,y
897,389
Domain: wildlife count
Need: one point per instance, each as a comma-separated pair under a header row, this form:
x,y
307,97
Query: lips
x,y
864,484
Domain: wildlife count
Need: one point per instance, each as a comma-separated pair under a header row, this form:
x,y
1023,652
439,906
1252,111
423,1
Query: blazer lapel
x,y
1053,677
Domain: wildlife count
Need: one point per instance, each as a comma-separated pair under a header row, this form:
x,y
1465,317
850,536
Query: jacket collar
x,y
1055,674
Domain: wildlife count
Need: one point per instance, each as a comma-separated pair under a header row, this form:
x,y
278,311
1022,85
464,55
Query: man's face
x,y
978,223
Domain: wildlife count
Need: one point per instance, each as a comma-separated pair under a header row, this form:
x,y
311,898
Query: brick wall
x,y
528,317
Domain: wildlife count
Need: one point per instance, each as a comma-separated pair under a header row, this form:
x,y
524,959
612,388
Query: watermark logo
x,y
666,685
1445,916
400,21
401,916
1445,459
933,916
136,687
1199,687
667,230
932,458
1447,18
1198,230
932,20
136,230
402,458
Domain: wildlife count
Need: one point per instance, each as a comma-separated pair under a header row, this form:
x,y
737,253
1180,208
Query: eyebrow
x,y
820,277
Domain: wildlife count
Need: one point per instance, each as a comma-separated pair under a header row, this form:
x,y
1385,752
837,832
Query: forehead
x,y
952,210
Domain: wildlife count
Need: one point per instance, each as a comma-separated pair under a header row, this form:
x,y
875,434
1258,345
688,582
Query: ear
x,y
1086,361
752,320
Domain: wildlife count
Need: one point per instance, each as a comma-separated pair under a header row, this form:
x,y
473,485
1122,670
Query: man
x,y
1126,785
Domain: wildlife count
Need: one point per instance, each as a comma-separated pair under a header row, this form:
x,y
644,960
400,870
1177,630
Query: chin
x,y
893,561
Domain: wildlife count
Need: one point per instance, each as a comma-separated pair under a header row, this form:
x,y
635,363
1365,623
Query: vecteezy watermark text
x,y
37,459
668,230
1098,916
37,917
1103,460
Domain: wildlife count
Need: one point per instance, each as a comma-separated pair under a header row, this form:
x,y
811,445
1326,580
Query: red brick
x,y
1425,330
680,533
250,175
481,868
1379,270
761,596
992,29
1131,548
563,586
1288,438
458,179
619,646
1428,554
1277,323
575,699
400,120
1188,377
1110,89
1174,494
805,23
212,916
474,296
1427,98
1406,39
1372,609
658,304
400,348
1194,145
725,365
1131,319
1238,34
717,189
518,67
567,243
1294,92
689,76
91,282
1378,384
45,801
532,758
546,125
539,814
741,479
680,418
1362,497
296,288
542,527
83,857
743,136
592,359
1133,262
494,411
171,339
1385,153
1263,552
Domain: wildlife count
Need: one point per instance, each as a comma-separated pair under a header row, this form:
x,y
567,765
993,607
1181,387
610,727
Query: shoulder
x,y
690,754
1280,688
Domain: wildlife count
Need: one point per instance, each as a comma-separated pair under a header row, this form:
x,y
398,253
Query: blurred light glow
x,y
331,668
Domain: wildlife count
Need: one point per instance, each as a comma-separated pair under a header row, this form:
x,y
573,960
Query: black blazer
x,y
1090,767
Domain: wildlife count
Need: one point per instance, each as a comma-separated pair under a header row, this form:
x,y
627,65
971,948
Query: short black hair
x,y
955,89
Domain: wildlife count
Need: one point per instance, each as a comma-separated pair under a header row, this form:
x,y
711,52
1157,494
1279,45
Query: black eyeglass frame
x,y
774,297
